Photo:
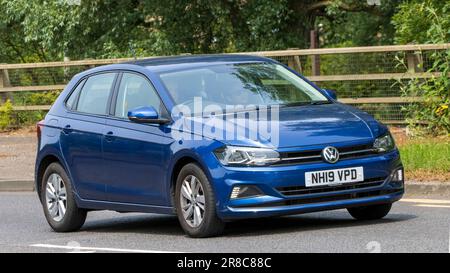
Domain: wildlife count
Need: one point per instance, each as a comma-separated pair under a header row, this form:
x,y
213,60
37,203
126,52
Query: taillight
x,y
39,128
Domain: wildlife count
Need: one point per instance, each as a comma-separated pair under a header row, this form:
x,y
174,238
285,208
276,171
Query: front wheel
x,y
372,212
195,203
58,201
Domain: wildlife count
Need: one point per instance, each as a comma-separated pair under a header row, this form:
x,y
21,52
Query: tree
x,y
105,28
358,28
89,30
228,25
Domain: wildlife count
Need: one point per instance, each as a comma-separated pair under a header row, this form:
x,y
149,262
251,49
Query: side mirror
x,y
146,114
331,93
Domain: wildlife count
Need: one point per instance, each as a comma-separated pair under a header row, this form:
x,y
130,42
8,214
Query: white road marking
x,y
426,201
107,249
432,206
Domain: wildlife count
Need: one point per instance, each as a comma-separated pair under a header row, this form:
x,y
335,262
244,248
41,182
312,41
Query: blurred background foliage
x,y
38,30
41,30
433,28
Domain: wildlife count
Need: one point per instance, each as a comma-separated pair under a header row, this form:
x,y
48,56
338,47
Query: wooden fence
x,y
413,58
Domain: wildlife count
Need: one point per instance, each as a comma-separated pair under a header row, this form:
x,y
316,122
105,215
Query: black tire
x,y
372,212
211,225
74,217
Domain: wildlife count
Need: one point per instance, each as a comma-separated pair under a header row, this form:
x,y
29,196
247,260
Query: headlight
x,y
244,156
384,143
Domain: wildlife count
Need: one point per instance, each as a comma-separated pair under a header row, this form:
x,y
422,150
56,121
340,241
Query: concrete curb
x,y
414,188
16,185
424,188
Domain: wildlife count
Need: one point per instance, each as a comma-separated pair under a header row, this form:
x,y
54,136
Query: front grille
x,y
312,156
322,199
300,190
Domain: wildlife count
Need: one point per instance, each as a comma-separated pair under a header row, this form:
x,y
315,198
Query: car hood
x,y
296,126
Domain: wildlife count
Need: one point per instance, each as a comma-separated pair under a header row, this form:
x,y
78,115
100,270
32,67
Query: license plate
x,y
334,177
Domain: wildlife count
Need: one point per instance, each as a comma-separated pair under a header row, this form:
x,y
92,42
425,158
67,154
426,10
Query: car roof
x,y
166,64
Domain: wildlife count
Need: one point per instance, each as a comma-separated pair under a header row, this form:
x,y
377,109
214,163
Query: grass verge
x,y
426,159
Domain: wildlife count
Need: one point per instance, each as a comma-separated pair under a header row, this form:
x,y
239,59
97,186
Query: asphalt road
x,y
414,225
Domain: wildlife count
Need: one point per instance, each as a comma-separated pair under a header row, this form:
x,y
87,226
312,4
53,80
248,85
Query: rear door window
x,y
95,94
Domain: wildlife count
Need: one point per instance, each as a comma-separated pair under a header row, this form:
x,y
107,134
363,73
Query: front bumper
x,y
267,210
272,202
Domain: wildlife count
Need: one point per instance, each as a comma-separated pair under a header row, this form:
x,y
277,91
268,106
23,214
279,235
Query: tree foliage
x,y
422,21
372,27
433,28
6,115
48,30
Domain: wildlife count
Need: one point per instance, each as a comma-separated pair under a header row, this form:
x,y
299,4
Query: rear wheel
x,y
195,203
58,201
373,212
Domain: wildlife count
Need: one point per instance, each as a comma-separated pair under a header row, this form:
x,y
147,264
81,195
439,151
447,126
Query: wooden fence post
x,y
298,64
414,61
294,62
66,70
315,59
4,82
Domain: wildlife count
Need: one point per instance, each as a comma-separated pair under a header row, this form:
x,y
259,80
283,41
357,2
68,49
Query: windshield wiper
x,y
293,104
320,102
303,103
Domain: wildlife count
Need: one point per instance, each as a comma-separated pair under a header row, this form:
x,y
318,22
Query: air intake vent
x,y
312,156
300,190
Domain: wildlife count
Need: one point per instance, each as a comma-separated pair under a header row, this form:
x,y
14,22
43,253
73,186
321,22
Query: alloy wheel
x,y
192,200
56,197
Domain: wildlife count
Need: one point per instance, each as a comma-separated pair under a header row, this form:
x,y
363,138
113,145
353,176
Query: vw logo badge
x,y
330,154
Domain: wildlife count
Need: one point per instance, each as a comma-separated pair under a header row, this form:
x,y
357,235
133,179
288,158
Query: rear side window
x,y
94,96
71,101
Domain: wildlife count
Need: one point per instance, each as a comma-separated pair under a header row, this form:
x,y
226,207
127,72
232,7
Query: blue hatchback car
x,y
182,135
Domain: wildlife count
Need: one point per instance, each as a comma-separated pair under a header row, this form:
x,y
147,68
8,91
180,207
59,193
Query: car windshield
x,y
259,84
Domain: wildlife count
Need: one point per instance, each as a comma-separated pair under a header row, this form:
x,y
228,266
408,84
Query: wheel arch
x,y
43,165
180,162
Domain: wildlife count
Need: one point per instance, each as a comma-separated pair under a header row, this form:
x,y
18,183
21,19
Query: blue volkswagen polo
x,y
211,139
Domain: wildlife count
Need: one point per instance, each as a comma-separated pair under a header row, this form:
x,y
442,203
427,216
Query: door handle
x,y
109,136
67,129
